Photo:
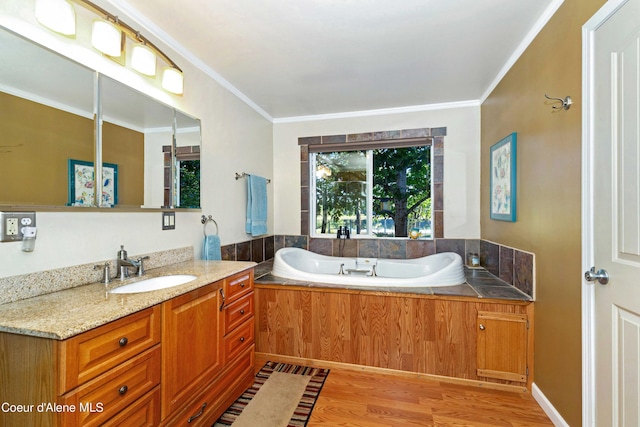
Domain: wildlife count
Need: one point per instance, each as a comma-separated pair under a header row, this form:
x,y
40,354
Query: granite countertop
x,y
479,284
63,314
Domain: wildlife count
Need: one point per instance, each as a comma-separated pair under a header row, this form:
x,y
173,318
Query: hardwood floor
x,y
363,398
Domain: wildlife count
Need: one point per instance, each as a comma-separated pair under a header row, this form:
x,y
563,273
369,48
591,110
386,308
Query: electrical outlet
x,y
11,224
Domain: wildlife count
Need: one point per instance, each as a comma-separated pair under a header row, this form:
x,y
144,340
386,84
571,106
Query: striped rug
x,y
300,413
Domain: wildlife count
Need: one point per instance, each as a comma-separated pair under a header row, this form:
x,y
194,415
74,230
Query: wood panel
x,y
23,358
408,332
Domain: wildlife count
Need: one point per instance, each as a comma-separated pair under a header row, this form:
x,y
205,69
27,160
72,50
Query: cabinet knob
x,y
123,341
241,339
242,285
122,390
241,311
482,328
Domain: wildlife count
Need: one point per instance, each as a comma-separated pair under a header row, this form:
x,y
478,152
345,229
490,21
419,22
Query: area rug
x,y
282,395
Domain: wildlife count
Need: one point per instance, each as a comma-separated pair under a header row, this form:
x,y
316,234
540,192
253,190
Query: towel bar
x,y
244,174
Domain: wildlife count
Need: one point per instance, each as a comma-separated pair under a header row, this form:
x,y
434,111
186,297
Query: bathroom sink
x,y
154,284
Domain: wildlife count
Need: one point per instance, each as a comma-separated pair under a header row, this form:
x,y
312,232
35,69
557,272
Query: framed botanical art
x,y
81,183
503,179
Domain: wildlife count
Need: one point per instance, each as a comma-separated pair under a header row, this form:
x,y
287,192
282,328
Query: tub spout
x,y
341,269
373,271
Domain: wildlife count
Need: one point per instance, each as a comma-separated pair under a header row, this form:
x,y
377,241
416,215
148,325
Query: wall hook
x,y
566,102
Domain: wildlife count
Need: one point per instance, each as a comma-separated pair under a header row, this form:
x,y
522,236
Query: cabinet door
x,y
191,338
502,346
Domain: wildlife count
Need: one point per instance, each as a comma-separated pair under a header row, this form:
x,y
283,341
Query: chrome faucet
x,y
124,264
106,272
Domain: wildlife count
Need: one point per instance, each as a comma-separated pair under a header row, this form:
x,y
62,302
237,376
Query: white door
x,y
613,125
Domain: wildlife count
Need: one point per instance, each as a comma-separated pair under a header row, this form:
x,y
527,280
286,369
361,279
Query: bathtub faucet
x,y
341,269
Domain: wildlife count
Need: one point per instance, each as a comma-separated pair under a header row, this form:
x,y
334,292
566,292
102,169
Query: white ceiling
x,y
291,58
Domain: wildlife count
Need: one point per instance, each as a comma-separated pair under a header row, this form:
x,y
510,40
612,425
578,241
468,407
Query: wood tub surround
x,y
487,341
182,361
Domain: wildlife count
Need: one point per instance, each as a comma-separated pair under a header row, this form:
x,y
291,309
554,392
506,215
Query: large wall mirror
x,y
49,140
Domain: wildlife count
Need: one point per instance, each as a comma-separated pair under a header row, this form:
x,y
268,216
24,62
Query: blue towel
x,y
256,224
211,247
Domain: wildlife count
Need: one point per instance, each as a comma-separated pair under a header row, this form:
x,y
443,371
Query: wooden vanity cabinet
x,y
171,364
84,380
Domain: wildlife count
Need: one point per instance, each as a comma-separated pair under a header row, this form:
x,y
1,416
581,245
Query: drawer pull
x,y
241,311
242,285
123,341
193,417
223,299
241,339
123,390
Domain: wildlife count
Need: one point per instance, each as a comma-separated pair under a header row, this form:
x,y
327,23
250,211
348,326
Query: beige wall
x,y
548,193
461,162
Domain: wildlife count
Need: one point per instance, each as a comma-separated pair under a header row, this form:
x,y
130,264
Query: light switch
x,y
168,220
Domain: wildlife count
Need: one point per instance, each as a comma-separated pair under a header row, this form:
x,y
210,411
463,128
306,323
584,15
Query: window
x,y
373,192
188,183
186,187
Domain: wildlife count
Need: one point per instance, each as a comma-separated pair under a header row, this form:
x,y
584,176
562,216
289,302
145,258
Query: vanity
x,y
177,356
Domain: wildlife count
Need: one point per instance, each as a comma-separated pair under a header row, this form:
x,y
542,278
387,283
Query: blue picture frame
x,y
81,184
503,182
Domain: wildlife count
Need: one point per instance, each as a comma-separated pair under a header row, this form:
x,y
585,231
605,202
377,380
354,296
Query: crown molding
x,y
380,112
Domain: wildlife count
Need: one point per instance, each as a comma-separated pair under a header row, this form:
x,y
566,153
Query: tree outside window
x,y
384,192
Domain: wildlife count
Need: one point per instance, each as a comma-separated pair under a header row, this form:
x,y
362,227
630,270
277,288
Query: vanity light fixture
x,y
57,15
173,80
109,37
106,37
143,60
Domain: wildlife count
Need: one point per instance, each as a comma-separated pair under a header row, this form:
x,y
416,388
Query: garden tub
x,y
443,269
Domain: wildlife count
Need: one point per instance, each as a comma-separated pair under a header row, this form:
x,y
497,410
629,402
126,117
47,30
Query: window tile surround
x,y
513,266
435,138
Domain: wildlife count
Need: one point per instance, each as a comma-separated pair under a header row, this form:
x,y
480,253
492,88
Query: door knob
x,y
601,276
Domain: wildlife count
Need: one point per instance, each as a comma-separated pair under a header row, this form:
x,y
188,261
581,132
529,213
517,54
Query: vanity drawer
x,y
238,312
91,353
238,285
238,340
105,396
144,412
